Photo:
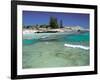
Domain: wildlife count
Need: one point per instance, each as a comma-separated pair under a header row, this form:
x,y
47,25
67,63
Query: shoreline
x,y
30,31
45,36
50,34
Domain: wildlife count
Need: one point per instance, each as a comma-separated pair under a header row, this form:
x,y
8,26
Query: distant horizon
x,y
69,19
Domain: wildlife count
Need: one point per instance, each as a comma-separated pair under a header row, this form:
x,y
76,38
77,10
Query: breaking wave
x,y
77,46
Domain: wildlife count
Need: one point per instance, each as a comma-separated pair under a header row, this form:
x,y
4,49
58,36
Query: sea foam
x,y
77,46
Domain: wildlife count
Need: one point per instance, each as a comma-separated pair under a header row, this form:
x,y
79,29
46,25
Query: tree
x,y
53,22
28,27
24,27
61,24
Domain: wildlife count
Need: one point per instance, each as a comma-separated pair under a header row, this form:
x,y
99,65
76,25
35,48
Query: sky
x,y
69,19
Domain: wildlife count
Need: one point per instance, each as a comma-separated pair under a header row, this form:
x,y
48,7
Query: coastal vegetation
x,y
53,24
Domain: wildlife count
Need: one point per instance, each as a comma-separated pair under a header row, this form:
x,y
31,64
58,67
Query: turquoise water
x,y
81,39
53,53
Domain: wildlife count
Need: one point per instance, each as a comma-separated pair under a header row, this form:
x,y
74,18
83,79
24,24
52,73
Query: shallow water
x,y
53,53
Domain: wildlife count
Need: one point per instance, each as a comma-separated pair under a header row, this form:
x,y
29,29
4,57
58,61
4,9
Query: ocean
x,y
38,53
